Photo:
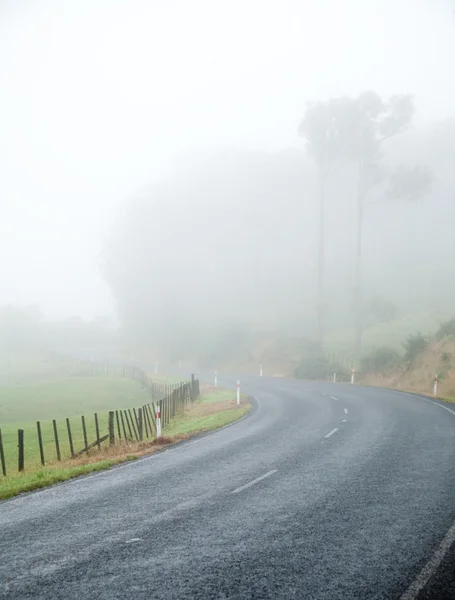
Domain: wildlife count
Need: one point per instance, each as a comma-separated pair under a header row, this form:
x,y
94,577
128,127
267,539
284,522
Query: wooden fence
x,y
125,425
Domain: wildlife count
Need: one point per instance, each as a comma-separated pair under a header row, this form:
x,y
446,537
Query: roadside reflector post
x,y
216,379
435,386
260,372
334,378
352,375
158,420
238,391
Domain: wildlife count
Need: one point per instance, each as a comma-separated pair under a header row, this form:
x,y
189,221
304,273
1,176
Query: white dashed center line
x,y
333,398
247,485
331,432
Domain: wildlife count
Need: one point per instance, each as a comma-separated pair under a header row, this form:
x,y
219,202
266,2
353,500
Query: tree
x,y
326,127
378,121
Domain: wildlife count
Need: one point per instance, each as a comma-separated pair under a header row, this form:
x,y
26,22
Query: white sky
x,y
97,97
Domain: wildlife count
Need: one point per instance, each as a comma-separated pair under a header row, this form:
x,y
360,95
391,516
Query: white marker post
x,y
260,372
158,420
334,378
156,367
435,386
238,391
216,379
352,375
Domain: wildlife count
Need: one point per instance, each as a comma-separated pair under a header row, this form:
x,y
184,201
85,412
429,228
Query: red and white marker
x,y
435,386
238,391
158,420
334,378
216,379
352,375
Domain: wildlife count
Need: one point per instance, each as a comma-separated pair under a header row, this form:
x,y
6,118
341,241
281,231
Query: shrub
x,y
414,345
380,359
445,329
446,357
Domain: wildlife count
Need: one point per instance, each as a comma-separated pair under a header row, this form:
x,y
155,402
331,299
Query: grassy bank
x,y
214,409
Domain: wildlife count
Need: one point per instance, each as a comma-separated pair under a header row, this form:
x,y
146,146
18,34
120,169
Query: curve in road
x,y
326,491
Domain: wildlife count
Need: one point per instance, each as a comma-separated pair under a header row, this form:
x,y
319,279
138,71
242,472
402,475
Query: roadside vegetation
x,y
412,368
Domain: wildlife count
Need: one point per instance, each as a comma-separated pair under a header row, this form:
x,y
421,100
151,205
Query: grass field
x,y
21,406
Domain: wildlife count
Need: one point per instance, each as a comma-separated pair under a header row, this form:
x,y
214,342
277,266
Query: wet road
x,y
324,491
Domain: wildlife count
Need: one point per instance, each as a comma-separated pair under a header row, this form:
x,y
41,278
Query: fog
x,y
151,169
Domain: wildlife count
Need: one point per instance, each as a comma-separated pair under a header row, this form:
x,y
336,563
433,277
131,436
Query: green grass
x,y
22,406
63,398
188,424
217,395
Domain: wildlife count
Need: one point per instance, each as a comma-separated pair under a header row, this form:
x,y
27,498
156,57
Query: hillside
x,y
438,358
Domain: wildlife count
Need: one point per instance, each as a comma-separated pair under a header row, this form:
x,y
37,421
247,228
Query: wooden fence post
x,y
133,426
57,445
144,417
123,427
118,425
152,419
147,420
20,445
97,429
2,455
140,424
40,443
129,425
111,428
192,387
136,420
84,431
70,437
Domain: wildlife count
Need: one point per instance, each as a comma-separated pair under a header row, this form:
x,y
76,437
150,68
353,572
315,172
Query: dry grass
x,y
122,449
419,376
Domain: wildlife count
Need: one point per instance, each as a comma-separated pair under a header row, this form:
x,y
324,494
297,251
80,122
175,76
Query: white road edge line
x,y
429,569
331,432
333,398
345,411
432,565
247,485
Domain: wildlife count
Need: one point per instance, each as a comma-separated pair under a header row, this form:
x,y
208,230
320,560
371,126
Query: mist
x,y
152,172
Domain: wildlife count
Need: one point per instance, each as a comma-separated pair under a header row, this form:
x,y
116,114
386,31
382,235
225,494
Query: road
x,y
326,491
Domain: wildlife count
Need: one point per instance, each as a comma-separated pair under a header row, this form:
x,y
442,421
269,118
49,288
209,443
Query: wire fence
x,y
70,438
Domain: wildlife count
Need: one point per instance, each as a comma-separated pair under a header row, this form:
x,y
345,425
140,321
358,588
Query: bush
x,y
446,357
414,345
380,359
317,366
445,329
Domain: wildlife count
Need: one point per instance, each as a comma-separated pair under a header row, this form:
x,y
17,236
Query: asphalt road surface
x,y
324,491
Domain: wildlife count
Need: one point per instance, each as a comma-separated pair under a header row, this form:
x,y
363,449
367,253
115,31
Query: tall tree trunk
x,y
321,257
358,295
